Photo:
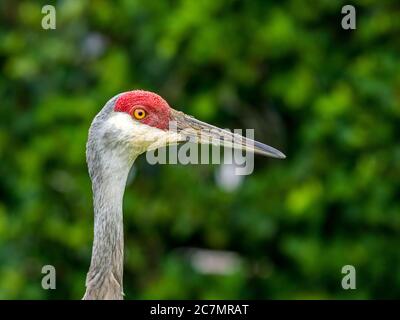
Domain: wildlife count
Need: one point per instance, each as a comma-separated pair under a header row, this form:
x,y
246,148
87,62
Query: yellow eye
x,y
139,113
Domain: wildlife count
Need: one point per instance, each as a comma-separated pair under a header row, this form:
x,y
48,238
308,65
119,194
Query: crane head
x,y
144,121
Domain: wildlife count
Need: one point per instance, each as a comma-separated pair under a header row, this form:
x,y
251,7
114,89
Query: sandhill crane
x,y
130,124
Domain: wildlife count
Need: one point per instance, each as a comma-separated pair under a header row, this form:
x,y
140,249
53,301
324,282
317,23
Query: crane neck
x,y
105,277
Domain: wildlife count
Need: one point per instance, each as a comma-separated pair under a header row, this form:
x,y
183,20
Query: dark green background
x,y
327,97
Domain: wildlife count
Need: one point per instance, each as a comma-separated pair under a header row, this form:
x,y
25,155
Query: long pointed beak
x,y
198,131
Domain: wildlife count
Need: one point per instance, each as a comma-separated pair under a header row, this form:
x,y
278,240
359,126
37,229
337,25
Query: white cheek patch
x,y
139,135
119,121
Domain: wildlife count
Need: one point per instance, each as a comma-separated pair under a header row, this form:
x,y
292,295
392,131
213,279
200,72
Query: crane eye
x,y
139,113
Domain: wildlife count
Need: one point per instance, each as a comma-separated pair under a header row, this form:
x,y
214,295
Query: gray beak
x,y
200,132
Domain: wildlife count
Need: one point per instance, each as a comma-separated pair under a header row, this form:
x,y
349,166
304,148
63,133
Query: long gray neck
x,y
109,160
104,279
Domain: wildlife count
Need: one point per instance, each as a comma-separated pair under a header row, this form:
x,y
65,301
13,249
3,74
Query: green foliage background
x,y
328,98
